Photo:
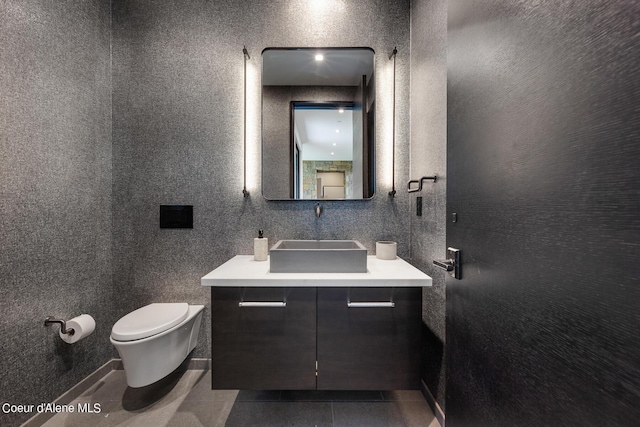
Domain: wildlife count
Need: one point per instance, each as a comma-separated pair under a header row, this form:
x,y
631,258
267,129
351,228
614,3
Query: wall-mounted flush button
x,y
419,206
454,217
176,216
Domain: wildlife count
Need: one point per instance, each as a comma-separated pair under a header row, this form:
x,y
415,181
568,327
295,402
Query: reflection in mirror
x,y
318,123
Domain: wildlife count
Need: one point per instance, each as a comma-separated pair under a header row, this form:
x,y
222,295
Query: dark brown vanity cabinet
x,y
263,338
369,338
357,338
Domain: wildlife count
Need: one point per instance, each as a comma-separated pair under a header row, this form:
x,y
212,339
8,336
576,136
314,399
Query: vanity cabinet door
x,y
368,346
262,346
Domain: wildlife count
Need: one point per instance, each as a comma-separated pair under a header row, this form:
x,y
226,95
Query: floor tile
x,y
201,390
329,395
267,414
201,414
78,419
185,399
109,388
415,395
382,414
152,416
113,386
258,395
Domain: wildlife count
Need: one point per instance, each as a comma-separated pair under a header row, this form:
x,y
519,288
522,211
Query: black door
x,y
544,176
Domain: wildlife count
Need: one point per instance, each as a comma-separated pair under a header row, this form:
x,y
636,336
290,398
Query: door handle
x,y
452,264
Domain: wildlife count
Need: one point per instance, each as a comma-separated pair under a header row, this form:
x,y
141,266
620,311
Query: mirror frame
x,y
371,162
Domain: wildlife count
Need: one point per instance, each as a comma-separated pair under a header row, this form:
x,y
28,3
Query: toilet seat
x,y
149,320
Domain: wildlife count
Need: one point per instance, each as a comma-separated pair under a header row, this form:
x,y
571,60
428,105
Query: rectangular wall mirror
x,y
318,123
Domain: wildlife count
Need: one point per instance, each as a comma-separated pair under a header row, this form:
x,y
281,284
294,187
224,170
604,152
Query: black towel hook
x,y
420,182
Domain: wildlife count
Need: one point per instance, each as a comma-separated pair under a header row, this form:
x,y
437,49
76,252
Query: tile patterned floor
x,y
185,399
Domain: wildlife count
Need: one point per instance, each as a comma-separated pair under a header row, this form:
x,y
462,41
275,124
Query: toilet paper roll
x,y
82,326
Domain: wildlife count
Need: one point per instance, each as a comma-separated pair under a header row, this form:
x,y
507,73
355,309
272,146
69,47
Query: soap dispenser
x,y
260,247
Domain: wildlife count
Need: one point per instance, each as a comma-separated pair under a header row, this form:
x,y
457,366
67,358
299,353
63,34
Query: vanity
x,y
316,331
318,314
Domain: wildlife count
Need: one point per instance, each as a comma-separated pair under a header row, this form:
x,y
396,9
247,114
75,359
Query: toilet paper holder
x,y
63,325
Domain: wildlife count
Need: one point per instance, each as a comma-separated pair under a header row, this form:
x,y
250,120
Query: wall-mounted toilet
x,y
154,340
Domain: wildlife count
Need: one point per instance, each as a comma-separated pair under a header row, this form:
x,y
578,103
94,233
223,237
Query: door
x,y
543,176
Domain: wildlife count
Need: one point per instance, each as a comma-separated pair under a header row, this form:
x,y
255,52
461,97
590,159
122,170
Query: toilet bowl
x,y
155,339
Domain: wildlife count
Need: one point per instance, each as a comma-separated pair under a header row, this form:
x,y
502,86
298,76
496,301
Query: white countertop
x,y
243,271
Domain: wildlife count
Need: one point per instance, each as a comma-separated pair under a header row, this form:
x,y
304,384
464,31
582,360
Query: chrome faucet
x,y
318,210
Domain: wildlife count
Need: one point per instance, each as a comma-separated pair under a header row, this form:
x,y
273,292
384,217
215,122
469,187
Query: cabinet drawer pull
x,y
262,304
375,304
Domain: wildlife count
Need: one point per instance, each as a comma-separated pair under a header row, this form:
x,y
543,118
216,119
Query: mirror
x,y
318,123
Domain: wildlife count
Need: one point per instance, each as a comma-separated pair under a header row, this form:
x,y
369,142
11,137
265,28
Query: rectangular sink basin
x,y
318,256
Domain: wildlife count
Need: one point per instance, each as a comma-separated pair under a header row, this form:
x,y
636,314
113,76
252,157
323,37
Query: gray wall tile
x,y
178,129
93,143
428,157
55,187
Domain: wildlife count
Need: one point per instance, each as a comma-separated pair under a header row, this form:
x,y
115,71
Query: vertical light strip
x,y
392,193
244,151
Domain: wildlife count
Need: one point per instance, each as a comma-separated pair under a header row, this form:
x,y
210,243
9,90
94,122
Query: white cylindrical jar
x,y
386,250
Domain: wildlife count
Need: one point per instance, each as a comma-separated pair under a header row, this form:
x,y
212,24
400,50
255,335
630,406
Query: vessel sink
x,y
318,256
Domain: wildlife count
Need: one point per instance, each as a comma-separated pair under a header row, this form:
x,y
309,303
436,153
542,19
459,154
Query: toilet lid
x,y
149,320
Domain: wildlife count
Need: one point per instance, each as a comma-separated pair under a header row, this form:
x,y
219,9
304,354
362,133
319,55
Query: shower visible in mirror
x,y
318,123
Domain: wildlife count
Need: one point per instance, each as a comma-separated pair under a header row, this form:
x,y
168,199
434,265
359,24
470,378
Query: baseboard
x,y
71,394
433,404
84,385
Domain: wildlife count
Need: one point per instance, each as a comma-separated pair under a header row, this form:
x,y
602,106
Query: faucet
x,y
318,210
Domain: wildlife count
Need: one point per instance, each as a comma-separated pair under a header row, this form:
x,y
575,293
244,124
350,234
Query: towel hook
x,y
420,182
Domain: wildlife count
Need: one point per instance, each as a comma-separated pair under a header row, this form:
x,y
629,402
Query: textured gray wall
x,y
178,129
82,178
55,193
428,156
